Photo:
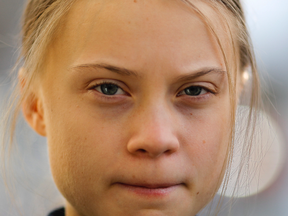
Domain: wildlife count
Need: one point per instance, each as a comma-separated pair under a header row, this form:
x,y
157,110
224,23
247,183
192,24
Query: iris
x,y
193,90
109,89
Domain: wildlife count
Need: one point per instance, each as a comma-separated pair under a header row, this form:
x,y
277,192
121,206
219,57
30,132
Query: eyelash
x,y
197,97
196,86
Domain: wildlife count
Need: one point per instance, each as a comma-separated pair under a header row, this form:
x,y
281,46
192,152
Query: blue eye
x,y
193,91
109,89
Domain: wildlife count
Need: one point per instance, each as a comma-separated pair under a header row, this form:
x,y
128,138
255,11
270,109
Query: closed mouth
x,y
150,186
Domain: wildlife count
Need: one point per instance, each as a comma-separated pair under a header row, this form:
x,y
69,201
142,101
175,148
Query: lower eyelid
x,y
197,99
108,98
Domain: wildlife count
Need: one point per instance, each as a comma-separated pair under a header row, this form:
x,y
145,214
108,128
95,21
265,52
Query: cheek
x,y
82,146
207,142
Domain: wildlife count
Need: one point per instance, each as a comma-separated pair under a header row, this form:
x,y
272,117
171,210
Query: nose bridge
x,y
154,112
156,116
154,130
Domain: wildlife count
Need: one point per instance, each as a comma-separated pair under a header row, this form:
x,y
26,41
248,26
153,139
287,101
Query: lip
x,y
158,190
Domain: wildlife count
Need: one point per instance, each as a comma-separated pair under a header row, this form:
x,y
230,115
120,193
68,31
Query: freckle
x,y
197,193
191,113
204,141
135,1
133,176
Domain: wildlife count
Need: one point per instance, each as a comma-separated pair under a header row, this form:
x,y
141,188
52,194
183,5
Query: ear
x,y
32,106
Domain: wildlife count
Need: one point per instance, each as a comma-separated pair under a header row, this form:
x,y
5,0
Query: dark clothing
x,y
61,212
58,212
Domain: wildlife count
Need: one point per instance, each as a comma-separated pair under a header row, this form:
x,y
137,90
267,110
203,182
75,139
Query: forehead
x,y
137,32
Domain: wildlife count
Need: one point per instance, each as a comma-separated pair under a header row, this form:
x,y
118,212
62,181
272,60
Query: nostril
x,y
142,150
168,151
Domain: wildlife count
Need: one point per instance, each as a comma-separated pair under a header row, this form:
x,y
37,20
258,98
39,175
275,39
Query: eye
x,y
109,89
193,91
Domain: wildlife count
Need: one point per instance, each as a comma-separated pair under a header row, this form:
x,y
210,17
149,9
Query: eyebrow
x,y
201,72
112,68
126,72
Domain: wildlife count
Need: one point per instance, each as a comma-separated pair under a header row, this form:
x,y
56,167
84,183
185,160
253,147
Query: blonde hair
x,y
40,24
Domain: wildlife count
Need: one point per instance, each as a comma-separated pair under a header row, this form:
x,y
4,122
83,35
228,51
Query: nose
x,y
153,135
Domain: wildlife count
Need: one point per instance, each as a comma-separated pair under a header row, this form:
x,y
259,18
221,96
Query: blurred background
x,y
268,24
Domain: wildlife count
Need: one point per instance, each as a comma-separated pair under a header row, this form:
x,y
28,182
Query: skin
x,y
151,149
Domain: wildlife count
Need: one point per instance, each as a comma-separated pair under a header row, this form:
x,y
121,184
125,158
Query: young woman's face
x,y
136,109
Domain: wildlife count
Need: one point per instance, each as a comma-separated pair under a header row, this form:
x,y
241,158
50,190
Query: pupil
x,y
193,90
109,89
